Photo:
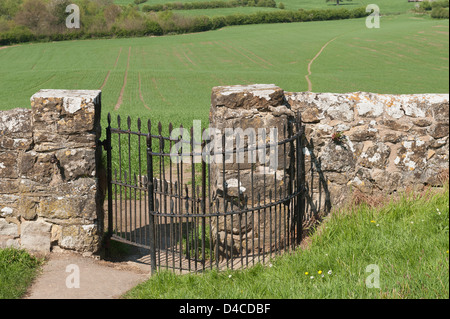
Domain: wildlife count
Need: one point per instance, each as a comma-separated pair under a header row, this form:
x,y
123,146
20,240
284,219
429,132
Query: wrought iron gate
x,y
196,216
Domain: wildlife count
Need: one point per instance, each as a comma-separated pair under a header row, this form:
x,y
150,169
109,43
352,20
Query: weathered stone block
x,y
9,186
76,163
258,96
337,158
15,123
376,156
8,229
8,165
27,207
80,237
439,130
60,207
35,236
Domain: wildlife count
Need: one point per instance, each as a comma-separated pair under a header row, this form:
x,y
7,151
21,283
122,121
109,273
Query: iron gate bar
x,y
177,225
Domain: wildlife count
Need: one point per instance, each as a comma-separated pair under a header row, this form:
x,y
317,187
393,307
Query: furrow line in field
x,y
118,56
109,72
233,50
257,56
188,58
140,93
157,90
120,100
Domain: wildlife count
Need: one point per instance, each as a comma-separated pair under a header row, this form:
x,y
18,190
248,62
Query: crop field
x,y
170,78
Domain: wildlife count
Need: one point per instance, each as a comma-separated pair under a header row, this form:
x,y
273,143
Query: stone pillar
x,y
49,160
244,109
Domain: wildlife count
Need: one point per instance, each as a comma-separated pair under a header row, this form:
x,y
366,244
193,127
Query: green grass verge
x,y
17,271
408,240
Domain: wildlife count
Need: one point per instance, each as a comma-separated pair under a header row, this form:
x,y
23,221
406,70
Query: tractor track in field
x,y
155,84
109,72
120,100
140,93
234,50
311,62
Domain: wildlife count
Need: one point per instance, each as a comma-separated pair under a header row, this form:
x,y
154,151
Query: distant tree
x,y
57,8
9,8
111,13
337,1
281,6
34,15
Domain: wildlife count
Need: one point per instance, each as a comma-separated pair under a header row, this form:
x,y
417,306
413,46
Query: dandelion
x,y
306,273
372,221
319,272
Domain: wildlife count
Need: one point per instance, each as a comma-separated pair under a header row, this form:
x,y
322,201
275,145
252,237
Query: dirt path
x,y
8,46
311,62
97,279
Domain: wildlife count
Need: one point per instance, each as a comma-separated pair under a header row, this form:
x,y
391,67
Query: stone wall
x,y
375,144
257,180
49,192
388,143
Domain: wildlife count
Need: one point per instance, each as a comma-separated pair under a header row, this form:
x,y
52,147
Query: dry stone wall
x,y
377,144
260,178
388,144
49,194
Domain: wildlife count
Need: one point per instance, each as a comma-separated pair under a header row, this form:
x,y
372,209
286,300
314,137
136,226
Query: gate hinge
x,y
103,143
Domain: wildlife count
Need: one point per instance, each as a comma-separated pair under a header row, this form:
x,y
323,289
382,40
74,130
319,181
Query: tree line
x,y
45,20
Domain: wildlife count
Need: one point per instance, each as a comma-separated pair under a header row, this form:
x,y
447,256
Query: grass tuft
x,y
17,271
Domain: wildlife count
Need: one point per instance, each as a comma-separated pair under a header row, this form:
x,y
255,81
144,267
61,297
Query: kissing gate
x,y
217,212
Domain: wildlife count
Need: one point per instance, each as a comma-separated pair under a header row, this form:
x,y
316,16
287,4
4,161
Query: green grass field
x,y
170,78
404,244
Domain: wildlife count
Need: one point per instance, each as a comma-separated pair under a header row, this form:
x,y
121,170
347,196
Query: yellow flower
x,y
306,273
372,221
319,272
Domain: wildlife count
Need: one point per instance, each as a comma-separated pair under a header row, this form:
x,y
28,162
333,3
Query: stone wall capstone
x,y
49,161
